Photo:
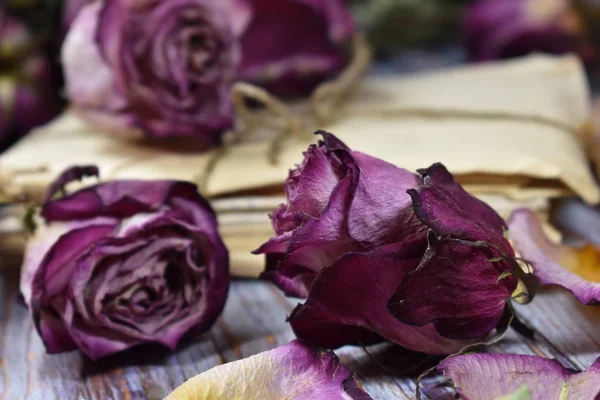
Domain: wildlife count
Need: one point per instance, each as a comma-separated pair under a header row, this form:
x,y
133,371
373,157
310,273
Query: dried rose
x,y
163,66
509,28
309,48
292,372
494,376
573,268
123,263
428,269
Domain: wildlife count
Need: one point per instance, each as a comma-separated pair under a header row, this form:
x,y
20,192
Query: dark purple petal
x,y
574,269
444,206
49,281
492,376
350,297
457,288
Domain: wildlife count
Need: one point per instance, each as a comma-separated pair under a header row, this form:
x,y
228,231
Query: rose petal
x,y
381,211
317,52
573,269
119,199
351,298
316,243
449,210
293,372
491,376
45,237
473,298
89,81
69,175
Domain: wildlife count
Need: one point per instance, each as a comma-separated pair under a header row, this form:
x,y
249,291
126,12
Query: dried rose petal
x,y
575,269
293,372
493,376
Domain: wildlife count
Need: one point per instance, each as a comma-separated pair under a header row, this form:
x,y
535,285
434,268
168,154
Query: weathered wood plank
x,y
253,321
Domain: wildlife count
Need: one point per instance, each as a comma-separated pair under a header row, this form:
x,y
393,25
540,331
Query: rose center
x,y
173,278
142,298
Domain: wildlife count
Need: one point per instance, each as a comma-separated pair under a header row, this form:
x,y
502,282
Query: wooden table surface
x,y
253,321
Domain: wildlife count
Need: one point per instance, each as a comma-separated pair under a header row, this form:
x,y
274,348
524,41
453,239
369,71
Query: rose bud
x,y
503,376
310,46
123,263
501,29
165,67
295,371
382,253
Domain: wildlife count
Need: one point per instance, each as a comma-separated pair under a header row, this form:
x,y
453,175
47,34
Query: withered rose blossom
x,y
295,371
505,376
382,253
290,46
123,263
510,28
163,66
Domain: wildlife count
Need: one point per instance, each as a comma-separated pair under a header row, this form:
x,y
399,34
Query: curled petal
x,y
575,269
450,211
293,372
68,176
120,199
498,376
473,300
347,303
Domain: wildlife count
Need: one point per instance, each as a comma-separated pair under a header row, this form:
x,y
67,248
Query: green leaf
x,y
503,275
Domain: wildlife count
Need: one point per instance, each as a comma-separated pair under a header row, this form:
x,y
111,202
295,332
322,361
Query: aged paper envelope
x,y
507,127
509,132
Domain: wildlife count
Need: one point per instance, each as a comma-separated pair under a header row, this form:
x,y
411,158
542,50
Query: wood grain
x,y
253,321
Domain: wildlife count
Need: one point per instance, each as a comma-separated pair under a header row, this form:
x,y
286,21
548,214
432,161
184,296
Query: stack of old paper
x,y
509,131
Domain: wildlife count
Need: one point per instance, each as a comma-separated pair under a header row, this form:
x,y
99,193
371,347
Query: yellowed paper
x,y
508,131
513,124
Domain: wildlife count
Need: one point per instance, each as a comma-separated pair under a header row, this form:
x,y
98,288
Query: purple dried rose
x,y
508,28
506,376
310,42
382,253
295,371
163,66
123,263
